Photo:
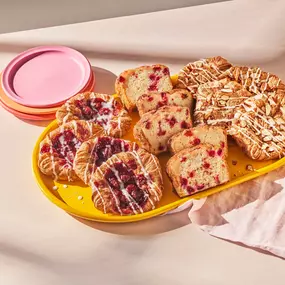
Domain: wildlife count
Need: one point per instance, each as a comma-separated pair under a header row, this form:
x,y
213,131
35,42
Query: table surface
x,y
40,244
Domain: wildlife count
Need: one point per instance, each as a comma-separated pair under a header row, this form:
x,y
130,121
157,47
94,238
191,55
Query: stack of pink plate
x,y
36,82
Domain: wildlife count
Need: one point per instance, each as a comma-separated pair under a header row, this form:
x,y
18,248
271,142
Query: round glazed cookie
x,y
92,153
58,149
127,183
101,109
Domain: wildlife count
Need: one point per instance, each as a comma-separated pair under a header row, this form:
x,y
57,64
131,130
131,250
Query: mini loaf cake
x,y
92,153
215,136
58,149
202,71
133,83
217,102
155,128
98,108
196,169
154,100
127,183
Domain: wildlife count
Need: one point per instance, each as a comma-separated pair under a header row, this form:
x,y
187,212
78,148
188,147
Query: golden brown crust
x,y
156,127
56,155
196,169
138,193
110,114
202,71
155,100
92,153
215,136
143,77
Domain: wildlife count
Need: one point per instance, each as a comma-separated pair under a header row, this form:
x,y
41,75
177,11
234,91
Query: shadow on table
x,y
151,226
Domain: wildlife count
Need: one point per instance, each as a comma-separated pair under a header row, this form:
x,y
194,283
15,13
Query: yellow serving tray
x,y
76,197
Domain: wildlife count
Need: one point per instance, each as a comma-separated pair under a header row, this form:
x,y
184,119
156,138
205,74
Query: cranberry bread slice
x,y
202,71
196,169
131,84
215,136
154,100
155,128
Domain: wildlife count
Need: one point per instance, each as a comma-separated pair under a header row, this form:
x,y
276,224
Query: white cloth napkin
x,y
252,213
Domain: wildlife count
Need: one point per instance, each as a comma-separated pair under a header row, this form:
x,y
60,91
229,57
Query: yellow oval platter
x,y
75,197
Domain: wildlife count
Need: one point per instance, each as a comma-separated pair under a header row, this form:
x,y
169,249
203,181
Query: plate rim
x,y
134,218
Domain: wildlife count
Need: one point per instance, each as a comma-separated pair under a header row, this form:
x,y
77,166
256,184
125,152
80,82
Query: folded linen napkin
x,y
252,213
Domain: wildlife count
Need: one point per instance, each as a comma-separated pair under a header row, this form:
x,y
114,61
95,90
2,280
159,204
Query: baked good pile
x,y
192,120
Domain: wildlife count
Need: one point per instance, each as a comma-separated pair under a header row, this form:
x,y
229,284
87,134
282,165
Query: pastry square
x,y
217,102
128,183
94,152
154,100
202,71
101,109
58,149
155,128
133,83
259,133
216,136
196,169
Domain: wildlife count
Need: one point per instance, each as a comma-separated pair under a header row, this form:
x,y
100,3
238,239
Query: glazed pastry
x,y
155,128
101,109
261,136
216,136
133,83
196,169
127,183
58,149
154,100
202,71
94,152
217,102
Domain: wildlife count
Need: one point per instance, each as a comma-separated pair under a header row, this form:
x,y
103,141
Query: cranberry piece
x,y
114,182
184,125
161,147
220,151
183,181
68,136
200,187
160,131
206,165
131,188
163,96
152,87
45,148
141,180
79,103
183,159
104,111
188,133
152,76
222,144
191,174
148,125
172,121
161,104
190,189
217,178
184,96
150,98
125,178
122,79
156,68
165,71
211,153
132,164
196,141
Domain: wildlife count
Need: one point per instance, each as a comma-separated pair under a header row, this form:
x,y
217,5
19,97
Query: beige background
x,y
41,245
16,15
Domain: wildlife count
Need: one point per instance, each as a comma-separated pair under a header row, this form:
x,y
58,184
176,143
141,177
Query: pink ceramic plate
x,y
46,76
28,116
